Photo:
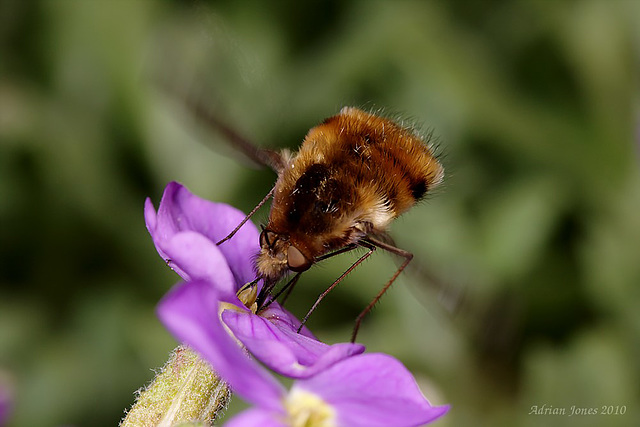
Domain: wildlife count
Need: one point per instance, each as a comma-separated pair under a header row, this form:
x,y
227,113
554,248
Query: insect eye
x,y
296,260
267,238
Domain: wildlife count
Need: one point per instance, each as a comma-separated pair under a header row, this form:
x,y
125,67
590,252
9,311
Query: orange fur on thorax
x,y
352,176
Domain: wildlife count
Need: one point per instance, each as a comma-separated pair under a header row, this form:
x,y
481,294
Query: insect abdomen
x,y
393,168
355,171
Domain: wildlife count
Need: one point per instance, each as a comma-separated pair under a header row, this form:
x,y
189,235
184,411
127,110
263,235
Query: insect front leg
x,y
249,215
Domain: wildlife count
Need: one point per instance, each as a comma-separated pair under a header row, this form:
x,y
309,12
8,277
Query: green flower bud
x,y
187,391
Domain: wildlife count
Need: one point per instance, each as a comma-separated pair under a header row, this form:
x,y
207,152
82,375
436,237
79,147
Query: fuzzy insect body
x,y
353,175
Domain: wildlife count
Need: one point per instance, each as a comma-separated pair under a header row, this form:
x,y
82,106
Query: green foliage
x,y
537,227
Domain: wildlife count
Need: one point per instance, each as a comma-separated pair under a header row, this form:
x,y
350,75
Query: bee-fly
x,y
353,175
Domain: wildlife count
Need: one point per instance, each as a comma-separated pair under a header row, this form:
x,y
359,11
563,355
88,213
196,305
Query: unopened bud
x,y
187,391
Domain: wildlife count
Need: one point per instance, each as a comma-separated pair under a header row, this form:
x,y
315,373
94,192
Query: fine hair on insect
x,y
353,174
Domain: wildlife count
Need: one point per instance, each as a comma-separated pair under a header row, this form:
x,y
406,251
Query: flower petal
x,y
151,220
277,315
190,312
181,211
282,349
192,252
373,390
256,417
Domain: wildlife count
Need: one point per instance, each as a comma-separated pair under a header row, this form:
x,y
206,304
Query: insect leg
x,y
246,218
339,279
408,256
291,284
320,258
334,253
288,287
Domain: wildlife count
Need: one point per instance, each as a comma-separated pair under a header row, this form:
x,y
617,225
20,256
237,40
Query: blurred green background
x,y
525,287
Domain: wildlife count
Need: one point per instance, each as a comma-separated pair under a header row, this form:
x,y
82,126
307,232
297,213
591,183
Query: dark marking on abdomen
x,y
418,188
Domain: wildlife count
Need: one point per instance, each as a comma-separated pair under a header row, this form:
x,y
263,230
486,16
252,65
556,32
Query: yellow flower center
x,y
306,409
247,296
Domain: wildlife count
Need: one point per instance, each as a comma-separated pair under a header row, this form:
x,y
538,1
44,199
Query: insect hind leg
x,y
339,279
408,256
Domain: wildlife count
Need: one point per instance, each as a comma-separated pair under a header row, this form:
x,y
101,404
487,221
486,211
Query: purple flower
x,y
363,390
369,390
185,231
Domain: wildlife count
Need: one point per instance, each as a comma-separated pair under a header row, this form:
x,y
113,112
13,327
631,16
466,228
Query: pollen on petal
x,y
248,295
305,409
